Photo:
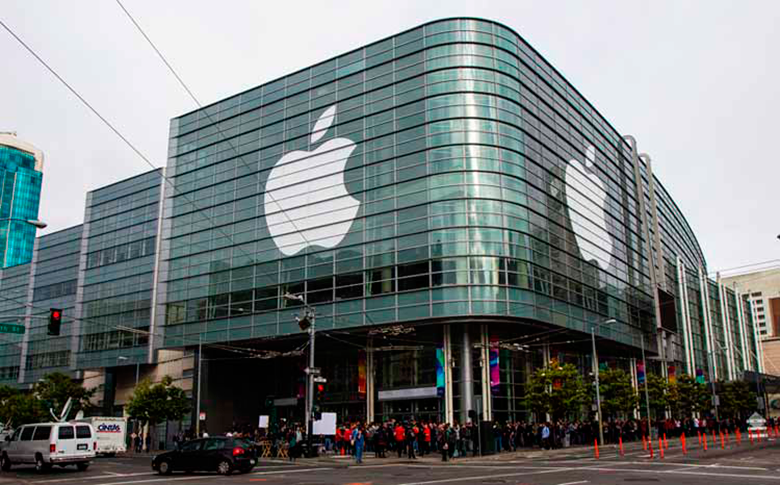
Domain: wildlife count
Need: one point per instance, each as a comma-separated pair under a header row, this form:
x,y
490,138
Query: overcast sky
x,y
695,81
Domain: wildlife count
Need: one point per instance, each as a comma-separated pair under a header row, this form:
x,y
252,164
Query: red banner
x,y
361,372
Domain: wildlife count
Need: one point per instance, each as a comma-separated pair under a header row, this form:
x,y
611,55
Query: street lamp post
x,y
596,376
647,394
33,222
306,323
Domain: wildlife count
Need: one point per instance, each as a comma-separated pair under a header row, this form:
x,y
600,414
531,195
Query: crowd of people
x,y
412,439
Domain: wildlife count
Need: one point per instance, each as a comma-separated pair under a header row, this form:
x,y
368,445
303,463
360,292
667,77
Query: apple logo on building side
x,y
586,198
306,201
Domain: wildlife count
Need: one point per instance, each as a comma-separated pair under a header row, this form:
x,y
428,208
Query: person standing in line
x,y
545,437
400,438
358,441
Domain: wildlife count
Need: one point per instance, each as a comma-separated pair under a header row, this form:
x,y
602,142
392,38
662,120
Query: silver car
x,y
49,444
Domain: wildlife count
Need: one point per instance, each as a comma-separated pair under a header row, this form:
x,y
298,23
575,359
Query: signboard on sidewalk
x,y
325,426
263,421
756,421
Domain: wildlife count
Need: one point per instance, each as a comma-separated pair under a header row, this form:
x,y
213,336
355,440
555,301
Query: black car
x,y
222,454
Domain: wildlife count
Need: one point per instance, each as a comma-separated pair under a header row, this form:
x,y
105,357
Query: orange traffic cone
x,y
596,447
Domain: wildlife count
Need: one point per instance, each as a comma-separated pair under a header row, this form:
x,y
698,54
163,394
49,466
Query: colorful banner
x,y
640,372
671,371
495,375
440,371
700,376
361,372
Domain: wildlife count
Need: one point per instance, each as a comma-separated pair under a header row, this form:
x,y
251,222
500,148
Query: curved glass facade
x,y
483,184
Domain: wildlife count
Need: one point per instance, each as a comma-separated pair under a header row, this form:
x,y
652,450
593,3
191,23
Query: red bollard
x,y
621,446
650,445
739,436
666,443
714,439
705,441
596,447
644,443
661,447
682,440
722,442
758,436
750,434
699,432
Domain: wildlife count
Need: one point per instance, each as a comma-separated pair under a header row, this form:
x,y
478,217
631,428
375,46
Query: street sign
x,y
11,328
756,421
320,379
315,371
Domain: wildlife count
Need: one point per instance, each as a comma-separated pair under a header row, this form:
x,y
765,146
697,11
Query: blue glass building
x,y
21,174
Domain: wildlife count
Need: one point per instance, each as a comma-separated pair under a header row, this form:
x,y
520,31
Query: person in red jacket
x,y
400,437
426,448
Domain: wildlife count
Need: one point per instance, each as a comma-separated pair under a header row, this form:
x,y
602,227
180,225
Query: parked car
x,y
49,444
222,454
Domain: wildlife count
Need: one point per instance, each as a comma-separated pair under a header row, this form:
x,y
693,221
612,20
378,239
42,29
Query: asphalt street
x,y
742,464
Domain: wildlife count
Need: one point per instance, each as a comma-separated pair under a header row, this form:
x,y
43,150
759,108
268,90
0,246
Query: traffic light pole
x,y
310,392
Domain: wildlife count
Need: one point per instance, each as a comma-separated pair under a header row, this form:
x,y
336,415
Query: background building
x,y
456,212
21,174
764,289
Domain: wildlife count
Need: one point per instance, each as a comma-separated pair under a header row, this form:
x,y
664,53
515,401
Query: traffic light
x,y
55,321
319,395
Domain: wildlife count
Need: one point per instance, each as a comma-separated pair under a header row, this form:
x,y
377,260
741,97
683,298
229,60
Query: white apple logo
x,y
586,198
306,201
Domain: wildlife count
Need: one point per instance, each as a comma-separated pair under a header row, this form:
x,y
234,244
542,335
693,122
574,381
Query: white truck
x,y
111,434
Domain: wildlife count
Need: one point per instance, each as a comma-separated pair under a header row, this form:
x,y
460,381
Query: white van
x,y
49,444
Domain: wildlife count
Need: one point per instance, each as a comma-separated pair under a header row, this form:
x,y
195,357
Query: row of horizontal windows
x,y
47,360
123,252
454,236
116,339
56,290
403,277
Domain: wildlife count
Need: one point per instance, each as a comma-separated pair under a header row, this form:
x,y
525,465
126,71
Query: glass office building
x,y
21,174
455,211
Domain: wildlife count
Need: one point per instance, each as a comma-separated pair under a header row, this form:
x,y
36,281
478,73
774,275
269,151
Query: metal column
x,y
466,375
487,398
449,412
370,381
640,195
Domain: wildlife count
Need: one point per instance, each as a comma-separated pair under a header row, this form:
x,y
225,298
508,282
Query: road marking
x,y
206,477
96,477
504,475
685,472
574,483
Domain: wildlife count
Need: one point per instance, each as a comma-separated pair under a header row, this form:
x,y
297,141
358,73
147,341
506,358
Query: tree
x,y
689,396
558,390
618,396
55,389
157,403
658,393
17,408
736,399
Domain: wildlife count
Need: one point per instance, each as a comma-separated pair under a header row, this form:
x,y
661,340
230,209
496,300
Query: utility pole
x,y
197,405
598,391
306,323
647,394
596,376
